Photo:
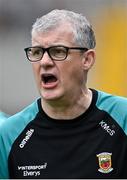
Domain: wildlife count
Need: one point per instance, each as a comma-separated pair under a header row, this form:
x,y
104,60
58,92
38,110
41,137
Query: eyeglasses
x,y
56,53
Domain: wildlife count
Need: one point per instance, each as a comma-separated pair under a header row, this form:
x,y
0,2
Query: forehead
x,y
60,35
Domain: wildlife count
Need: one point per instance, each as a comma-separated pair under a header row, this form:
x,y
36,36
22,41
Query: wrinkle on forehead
x,y
62,34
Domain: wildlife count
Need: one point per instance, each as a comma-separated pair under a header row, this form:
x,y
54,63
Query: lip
x,y
49,85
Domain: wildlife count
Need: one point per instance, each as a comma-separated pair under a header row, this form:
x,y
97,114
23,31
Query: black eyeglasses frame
x,y
48,51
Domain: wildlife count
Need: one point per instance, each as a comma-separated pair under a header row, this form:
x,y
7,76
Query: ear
x,y
88,59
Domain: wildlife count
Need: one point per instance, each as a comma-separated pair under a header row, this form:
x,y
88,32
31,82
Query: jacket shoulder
x,y
10,128
115,106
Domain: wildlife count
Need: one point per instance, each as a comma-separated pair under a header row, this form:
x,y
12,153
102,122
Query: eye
x,y
58,52
36,51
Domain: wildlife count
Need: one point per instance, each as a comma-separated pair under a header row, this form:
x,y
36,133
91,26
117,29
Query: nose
x,y
46,61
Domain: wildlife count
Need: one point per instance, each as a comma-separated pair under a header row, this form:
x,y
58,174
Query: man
x,y
71,131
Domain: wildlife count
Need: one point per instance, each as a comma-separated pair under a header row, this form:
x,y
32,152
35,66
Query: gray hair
x,y
81,28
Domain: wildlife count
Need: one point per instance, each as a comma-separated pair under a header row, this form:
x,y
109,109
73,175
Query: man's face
x,y
58,79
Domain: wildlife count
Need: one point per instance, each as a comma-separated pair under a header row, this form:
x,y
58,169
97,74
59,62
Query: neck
x,y
70,108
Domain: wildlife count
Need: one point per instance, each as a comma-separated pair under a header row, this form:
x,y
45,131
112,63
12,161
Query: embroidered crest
x,y
105,162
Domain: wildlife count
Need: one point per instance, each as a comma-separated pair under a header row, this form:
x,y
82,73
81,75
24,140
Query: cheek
x,y
72,73
35,68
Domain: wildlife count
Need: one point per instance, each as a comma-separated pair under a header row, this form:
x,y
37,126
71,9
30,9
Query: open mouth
x,y
48,78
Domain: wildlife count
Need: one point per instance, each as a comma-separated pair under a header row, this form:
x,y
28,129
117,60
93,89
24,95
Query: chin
x,y
50,96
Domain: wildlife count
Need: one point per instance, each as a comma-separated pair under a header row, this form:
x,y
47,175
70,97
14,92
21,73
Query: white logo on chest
x,y
32,170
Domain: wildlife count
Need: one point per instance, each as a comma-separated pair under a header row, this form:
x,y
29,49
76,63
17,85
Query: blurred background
x,y
109,21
